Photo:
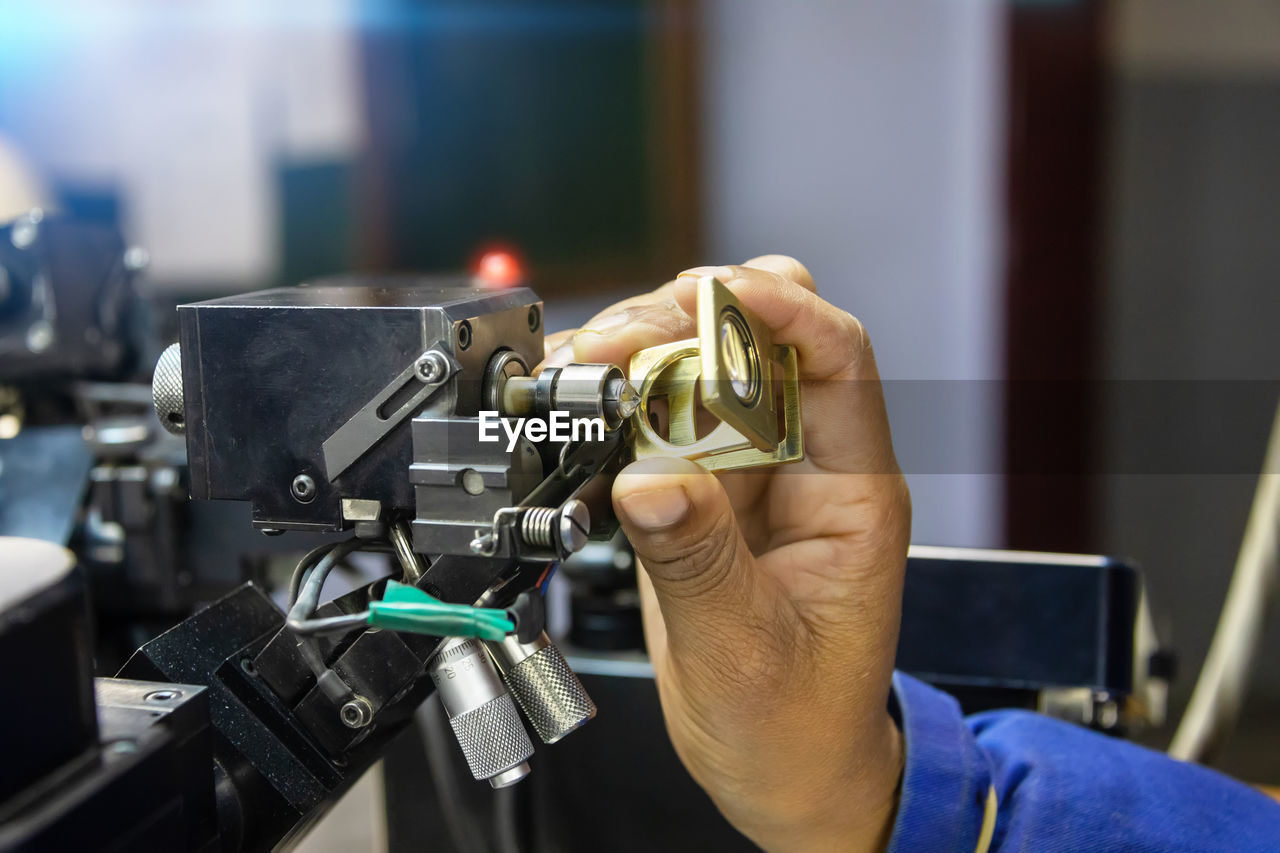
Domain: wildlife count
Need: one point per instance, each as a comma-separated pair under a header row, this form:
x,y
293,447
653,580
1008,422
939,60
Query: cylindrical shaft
x,y
550,693
581,390
402,541
480,710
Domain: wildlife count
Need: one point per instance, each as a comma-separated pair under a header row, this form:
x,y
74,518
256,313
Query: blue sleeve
x,y
1057,786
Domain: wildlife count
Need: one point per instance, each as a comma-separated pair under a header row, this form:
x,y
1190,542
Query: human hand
x,y
772,597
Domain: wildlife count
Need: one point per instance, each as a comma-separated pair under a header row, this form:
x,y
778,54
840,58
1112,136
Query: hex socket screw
x,y
303,488
431,367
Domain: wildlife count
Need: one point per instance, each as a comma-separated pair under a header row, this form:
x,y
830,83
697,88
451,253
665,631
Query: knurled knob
x,y
166,391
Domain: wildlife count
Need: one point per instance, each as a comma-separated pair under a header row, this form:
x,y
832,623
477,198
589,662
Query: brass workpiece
x,y
735,365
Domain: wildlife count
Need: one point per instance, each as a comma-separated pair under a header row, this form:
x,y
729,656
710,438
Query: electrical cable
x,y
295,580
544,580
330,624
464,829
306,563
303,627
1220,689
308,598
403,607
506,822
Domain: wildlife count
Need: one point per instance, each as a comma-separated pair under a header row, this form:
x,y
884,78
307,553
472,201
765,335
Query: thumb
x,y
682,526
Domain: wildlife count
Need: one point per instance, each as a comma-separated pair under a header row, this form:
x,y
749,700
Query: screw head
x,y
357,713
303,488
573,526
430,367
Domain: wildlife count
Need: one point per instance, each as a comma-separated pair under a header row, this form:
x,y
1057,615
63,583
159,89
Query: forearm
x,y
1058,786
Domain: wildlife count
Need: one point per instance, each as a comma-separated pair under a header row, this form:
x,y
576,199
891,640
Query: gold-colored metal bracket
x,y
732,362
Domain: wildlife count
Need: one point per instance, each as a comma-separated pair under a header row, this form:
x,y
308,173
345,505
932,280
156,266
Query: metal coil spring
x,y
537,526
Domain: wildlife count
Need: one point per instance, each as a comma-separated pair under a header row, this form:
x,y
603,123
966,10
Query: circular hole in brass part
x,y
464,335
472,482
655,408
535,318
738,354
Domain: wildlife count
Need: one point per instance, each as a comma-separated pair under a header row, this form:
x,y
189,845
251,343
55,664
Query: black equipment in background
x,y
65,300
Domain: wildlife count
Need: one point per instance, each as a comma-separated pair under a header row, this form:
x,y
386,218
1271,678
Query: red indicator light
x,y
499,268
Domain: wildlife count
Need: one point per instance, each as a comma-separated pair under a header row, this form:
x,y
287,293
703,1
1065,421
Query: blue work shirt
x,y
1057,786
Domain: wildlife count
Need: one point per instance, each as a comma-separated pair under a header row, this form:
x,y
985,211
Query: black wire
x,y
506,823
307,601
295,581
329,624
460,819
308,598
312,556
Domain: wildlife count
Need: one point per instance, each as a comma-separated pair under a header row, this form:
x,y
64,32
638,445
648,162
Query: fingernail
x,y
656,509
699,272
606,324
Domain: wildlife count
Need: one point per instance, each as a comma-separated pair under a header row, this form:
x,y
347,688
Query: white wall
x,y
186,110
864,137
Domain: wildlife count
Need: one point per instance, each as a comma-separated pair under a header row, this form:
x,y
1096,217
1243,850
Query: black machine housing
x,y
269,377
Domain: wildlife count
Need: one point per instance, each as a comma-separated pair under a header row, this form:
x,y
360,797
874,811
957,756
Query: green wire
x,y
407,608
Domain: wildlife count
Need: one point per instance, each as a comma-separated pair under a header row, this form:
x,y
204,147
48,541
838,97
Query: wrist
x,y
856,813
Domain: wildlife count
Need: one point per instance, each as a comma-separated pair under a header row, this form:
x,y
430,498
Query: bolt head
x,y
303,488
574,526
357,713
430,368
